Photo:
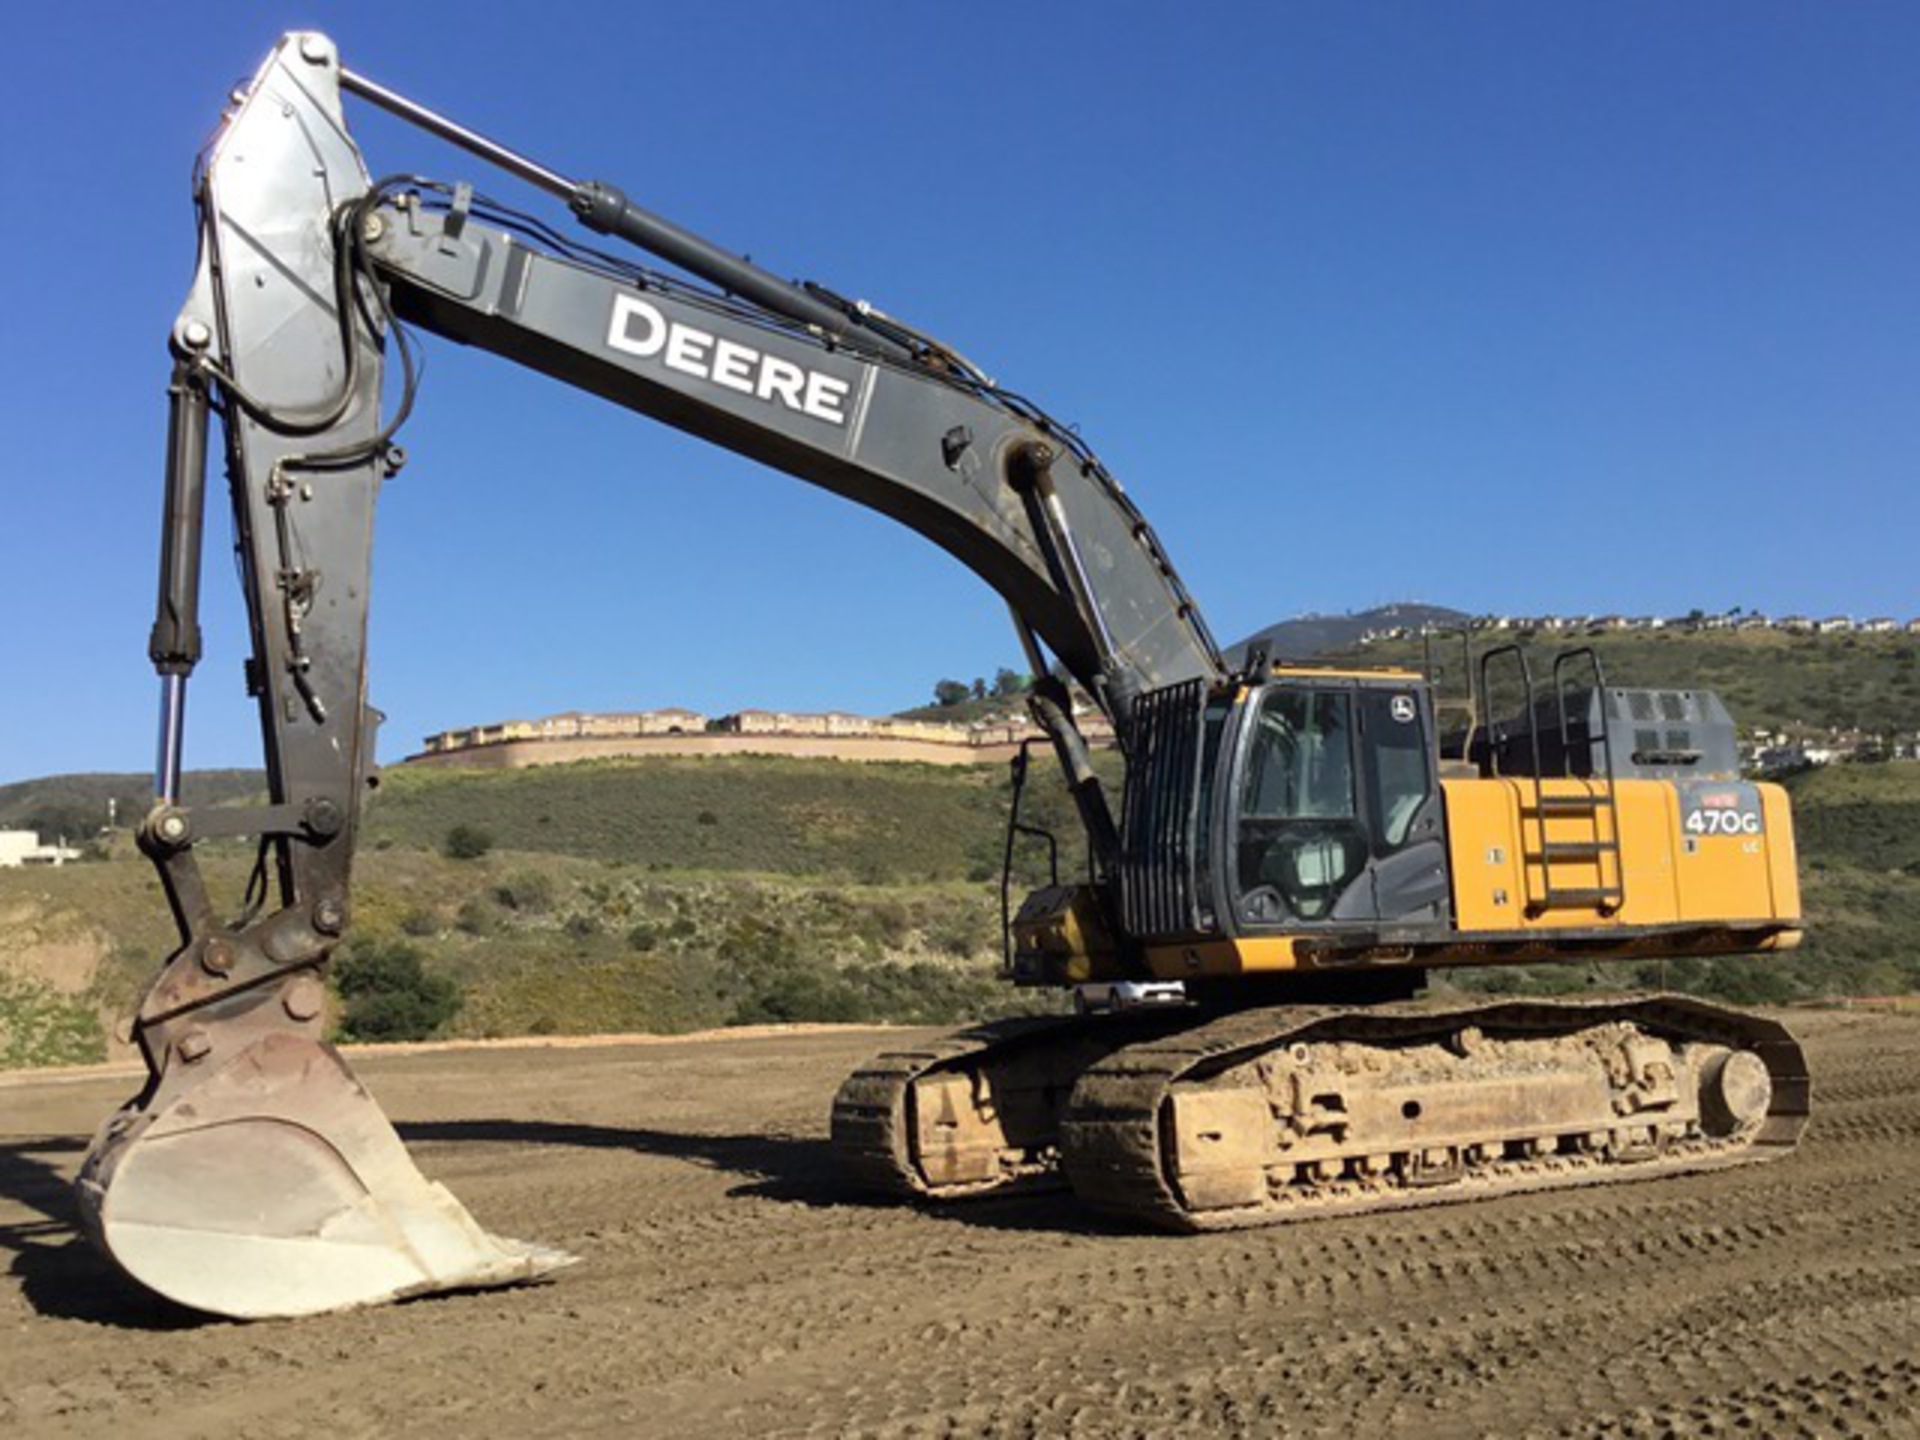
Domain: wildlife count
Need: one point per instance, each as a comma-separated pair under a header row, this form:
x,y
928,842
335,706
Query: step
x,y
1603,899
1569,804
1557,850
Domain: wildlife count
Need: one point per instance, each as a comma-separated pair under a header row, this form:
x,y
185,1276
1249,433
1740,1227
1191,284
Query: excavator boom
x,y
252,1175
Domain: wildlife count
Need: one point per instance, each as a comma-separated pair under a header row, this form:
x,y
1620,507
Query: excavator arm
x,y
252,1175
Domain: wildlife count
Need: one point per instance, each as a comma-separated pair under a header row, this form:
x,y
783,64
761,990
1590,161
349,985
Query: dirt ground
x,y
730,1287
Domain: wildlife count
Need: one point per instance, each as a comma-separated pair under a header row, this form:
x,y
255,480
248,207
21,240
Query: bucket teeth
x,y
275,1186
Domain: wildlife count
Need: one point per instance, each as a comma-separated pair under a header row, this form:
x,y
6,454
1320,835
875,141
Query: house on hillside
x,y
1797,625
504,731
673,720
1879,625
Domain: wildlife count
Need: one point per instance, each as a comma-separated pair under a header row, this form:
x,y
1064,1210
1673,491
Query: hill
x,y
1307,637
654,894
1769,679
76,805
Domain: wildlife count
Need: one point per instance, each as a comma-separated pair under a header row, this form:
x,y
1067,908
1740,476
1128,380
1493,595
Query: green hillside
x,y
1769,680
76,805
647,894
878,823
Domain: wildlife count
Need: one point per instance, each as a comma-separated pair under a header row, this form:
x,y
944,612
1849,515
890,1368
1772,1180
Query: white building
x,y
23,847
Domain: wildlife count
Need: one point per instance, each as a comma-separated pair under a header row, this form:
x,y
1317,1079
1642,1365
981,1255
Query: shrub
x,y
792,996
528,891
477,917
387,994
466,842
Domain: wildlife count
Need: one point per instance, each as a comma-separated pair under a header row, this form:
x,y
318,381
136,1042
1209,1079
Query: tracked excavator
x,y
1297,848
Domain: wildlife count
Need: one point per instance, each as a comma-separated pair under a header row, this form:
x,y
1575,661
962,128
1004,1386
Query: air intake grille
x,y
1157,811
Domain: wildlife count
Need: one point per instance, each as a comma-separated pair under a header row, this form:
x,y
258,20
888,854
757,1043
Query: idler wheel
x,y
1735,1093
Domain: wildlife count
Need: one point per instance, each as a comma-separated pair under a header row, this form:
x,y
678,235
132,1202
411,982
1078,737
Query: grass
x,y
765,815
40,1026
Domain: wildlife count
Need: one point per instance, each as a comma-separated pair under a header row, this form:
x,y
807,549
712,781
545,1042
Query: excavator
x,y
1298,849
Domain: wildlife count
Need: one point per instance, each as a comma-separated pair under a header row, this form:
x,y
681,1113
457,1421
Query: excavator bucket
x,y
273,1185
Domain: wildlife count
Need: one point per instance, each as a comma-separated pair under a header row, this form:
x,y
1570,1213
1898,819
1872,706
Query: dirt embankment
x,y
730,1285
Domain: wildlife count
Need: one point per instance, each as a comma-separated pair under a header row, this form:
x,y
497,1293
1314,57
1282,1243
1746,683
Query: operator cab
x,y
1307,801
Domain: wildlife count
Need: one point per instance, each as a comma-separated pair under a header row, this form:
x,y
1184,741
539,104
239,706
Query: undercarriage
x,y
1207,1120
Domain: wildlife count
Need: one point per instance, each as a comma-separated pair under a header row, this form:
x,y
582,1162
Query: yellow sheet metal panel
x,y
1204,959
1645,813
1483,853
1783,862
1722,858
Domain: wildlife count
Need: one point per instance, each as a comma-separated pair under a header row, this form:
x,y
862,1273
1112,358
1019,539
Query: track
x,y
730,1287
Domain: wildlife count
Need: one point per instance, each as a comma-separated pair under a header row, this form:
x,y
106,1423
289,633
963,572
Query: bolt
x,y
315,50
323,817
172,827
330,916
216,957
302,998
196,335
372,228
193,1045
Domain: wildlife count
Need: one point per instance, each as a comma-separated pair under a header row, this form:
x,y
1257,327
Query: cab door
x,y
1335,812
1406,824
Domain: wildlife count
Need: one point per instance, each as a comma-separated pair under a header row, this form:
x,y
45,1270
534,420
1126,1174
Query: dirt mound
x,y
731,1286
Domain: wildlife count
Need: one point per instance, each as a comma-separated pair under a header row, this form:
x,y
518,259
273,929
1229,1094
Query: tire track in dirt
x,y
729,1286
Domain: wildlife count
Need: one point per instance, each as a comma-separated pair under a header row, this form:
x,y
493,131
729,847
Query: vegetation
x,y
764,814
466,842
1007,685
76,806
40,1026
1769,679
387,994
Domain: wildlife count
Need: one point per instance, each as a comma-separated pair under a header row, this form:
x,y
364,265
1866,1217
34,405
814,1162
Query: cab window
x,y
1299,840
1397,779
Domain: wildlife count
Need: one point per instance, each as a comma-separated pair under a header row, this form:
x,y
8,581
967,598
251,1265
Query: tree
x,y
1009,683
948,693
388,995
979,688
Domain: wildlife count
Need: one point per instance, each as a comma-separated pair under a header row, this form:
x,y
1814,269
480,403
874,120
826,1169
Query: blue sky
x,y
1505,306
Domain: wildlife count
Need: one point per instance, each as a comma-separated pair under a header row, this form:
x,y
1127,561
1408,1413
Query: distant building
x,y
23,847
